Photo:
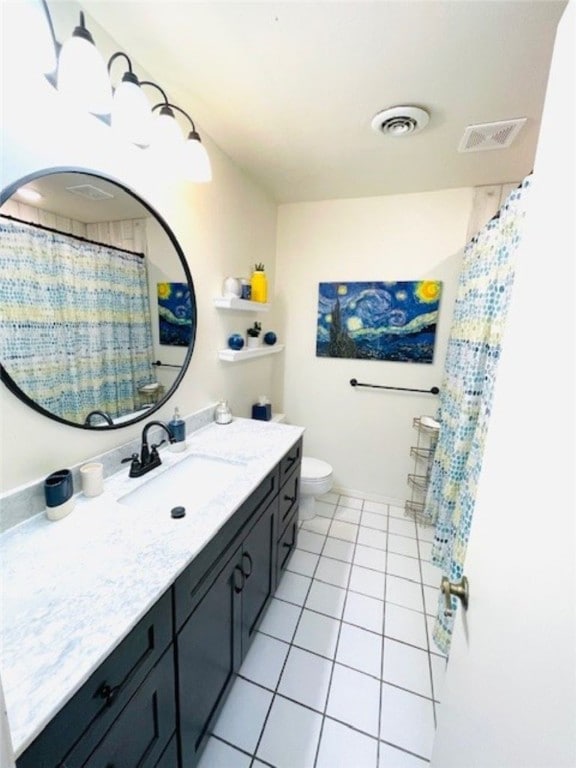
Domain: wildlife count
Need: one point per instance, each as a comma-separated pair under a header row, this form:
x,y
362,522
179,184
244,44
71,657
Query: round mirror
x,y
98,315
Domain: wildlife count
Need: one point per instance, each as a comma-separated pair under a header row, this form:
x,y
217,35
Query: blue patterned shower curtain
x,y
467,390
75,329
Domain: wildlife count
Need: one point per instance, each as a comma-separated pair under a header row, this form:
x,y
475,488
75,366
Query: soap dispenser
x,y
177,427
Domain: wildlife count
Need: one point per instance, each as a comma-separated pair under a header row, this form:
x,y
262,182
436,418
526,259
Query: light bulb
x,y
82,73
197,165
131,113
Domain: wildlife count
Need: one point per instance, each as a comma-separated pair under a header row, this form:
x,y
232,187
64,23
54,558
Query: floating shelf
x,y
244,305
234,356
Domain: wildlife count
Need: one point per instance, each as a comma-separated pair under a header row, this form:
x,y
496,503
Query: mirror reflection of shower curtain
x,y
466,392
75,324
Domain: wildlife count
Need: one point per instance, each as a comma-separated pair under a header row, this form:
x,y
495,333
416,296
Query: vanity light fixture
x,y
82,73
131,114
31,41
196,166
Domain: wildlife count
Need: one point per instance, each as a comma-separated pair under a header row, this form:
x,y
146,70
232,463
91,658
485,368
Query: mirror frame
x,y
7,193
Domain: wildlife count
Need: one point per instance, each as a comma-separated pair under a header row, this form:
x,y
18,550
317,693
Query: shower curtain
x,y
75,326
467,390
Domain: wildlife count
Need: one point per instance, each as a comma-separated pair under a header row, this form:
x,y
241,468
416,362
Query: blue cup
x,y
58,488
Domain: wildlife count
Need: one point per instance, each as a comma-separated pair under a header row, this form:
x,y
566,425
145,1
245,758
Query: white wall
x,y
364,434
223,227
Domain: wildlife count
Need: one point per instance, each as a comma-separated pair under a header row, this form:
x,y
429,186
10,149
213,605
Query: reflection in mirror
x,y
98,310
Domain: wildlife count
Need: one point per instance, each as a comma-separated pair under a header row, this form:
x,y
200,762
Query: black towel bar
x,y
431,391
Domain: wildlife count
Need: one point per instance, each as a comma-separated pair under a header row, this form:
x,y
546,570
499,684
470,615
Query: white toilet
x,y
316,478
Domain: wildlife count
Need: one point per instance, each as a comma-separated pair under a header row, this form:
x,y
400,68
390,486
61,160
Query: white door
x,y
509,699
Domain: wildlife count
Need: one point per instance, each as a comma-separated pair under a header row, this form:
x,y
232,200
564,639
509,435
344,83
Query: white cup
x,y
92,476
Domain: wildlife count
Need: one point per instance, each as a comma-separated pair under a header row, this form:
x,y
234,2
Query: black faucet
x,y
88,419
149,457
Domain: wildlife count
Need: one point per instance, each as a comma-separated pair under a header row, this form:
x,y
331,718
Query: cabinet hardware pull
x,y
239,570
108,693
247,573
291,499
291,459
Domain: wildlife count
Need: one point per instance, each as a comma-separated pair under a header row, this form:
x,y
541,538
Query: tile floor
x,y
343,672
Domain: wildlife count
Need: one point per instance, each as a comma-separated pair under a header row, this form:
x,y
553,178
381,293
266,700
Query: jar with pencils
x,y
259,284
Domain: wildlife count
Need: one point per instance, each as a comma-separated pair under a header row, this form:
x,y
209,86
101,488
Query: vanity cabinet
x,y
153,701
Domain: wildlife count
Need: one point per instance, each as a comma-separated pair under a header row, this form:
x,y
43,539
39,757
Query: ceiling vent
x,y
400,121
90,192
483,136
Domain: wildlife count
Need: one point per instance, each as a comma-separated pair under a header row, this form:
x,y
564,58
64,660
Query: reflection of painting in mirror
x,y
393,321
79,336
175,314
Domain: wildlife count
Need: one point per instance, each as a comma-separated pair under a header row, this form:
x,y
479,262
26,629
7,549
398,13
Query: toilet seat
x,y
315,469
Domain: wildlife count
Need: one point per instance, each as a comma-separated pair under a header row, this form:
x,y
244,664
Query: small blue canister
x,y
236,341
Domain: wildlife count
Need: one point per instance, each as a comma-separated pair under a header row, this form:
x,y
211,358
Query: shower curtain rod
x,y
431,391
159,363
69,234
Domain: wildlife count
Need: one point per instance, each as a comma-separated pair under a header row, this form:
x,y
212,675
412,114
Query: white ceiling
x,y
288,89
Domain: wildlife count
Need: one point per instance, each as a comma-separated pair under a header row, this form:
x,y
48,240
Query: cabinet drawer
x,y
82,723
290,460
142,730
169,757
286,545
289,495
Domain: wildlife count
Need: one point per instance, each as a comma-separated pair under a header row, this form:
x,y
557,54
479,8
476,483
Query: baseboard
x,y
395,502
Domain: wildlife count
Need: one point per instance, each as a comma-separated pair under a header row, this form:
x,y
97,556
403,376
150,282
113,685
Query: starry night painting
x,y
378,321
175,314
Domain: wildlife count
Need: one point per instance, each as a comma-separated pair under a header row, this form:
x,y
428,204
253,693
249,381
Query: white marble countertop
x,y
72,590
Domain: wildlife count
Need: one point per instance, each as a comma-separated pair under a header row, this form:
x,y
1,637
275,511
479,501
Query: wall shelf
x,y
235,356
222,302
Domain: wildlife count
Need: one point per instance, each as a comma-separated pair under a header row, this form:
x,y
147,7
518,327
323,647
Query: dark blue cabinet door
x,y
209,653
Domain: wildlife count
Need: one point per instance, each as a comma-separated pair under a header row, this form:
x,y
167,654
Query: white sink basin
x,y
192,483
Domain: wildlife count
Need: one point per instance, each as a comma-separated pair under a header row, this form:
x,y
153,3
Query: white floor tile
x,y
333,571
243,715
306,678
280,620
407,720
360,649
353,699
374,520
265,660
351,502
438,674
291,736
327,599
370,537
426,532
367,557
401,565
325,508
402,527
390,757
431,597
406,667
347,515
367,582
345,531
431,574
395,511
303,562
364,611
317,633
402,545
425,550
406,625
343,747
403,592
338,549
293,588
219,755
376,506
310,541
317,524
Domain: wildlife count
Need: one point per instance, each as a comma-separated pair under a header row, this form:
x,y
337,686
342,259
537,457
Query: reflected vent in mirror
x,y
90,192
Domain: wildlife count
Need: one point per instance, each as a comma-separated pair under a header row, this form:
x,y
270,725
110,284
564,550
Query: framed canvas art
x,y
175,314
394,321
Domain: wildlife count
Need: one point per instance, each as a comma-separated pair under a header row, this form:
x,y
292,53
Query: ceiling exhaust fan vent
x,y
483,136
400,121
89,191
